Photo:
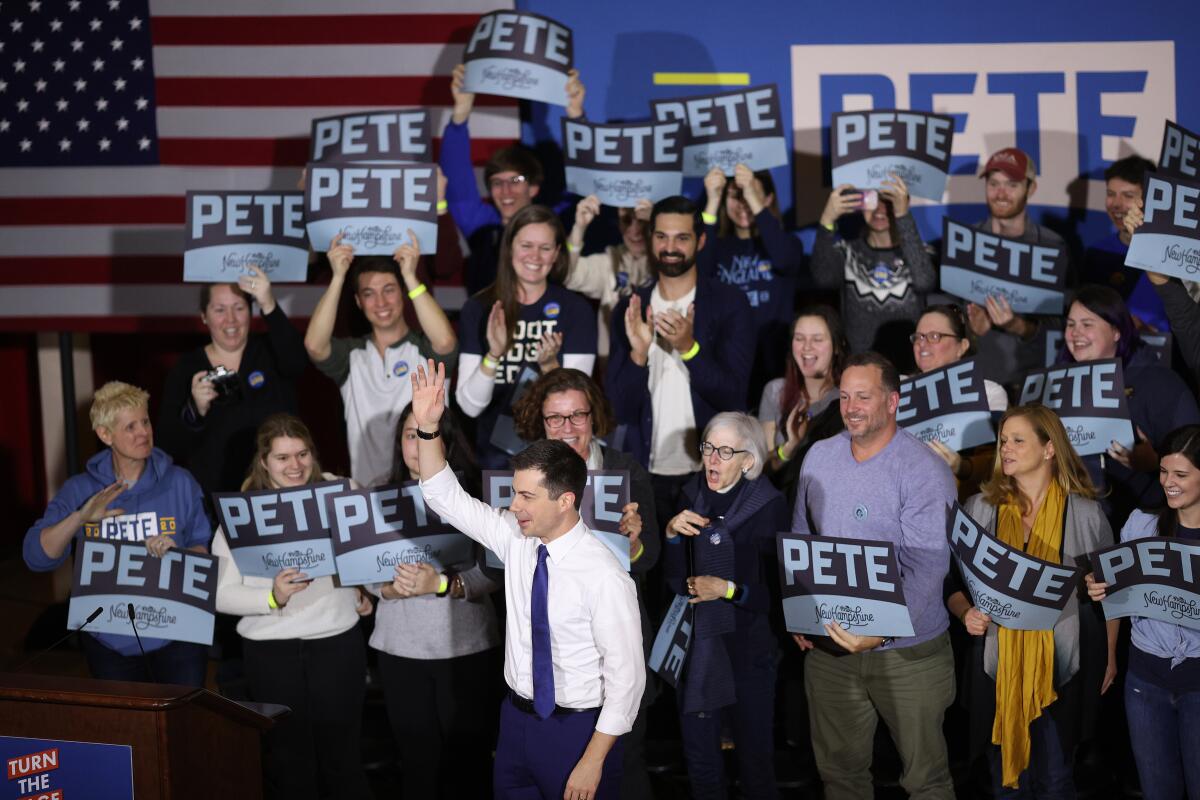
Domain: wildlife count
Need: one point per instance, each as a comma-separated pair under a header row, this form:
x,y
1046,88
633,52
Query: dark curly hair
x,y
527,412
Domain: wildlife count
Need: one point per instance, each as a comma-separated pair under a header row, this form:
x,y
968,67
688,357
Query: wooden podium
x,y
186,742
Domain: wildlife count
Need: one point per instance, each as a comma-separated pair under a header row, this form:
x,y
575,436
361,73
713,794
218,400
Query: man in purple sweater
x,y
875,481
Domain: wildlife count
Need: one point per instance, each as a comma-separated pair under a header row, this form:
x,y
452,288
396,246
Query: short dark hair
x,y
678,204
1107,304
889,376
561,467
364,265
515,158
207,289
1131,169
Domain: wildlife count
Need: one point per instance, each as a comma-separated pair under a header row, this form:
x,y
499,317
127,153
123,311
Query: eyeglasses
x,y
725,452
933,336
557,420
512,183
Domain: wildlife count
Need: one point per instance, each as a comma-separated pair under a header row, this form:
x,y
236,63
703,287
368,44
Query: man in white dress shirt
x,y
573,653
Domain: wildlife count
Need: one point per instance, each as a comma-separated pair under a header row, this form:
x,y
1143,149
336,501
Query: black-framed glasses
x,y
725,453
933,336
576,417
512,183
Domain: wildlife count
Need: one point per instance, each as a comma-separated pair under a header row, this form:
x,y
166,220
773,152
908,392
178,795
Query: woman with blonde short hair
x,y
129,492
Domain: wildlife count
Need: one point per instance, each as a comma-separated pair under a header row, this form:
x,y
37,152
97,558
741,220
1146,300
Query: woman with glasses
x,y
720,551
567,405
516,329
941,338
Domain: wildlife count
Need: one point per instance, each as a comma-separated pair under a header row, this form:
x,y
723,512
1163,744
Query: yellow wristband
x,y
443,584
490,362
271,600
731,591
641,549
779,452
572,248
830,228
442,205
709,219
692,351
417,292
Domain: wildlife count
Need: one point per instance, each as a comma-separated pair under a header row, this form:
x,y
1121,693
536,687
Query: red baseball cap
x,y
1014,163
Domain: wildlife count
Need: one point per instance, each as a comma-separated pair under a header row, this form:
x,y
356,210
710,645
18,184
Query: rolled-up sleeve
x,y
617,631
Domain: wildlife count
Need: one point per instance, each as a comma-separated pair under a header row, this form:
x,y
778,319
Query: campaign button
x,y
256,379
551,310
860,512
400,368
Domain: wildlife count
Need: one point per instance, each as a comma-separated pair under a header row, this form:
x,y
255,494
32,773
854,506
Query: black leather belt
x,y
526,706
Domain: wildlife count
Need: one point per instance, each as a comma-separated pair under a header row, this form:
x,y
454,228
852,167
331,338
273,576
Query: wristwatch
x,y
428,436
457,590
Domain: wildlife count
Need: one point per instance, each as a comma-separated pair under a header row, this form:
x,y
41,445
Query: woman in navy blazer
x,y
730,518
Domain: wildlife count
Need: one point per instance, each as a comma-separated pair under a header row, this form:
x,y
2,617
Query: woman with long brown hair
x,y
1031,691
300,641
516,329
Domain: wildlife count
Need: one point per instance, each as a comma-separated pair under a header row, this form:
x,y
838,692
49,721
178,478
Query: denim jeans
x,y
1164,729
1050,774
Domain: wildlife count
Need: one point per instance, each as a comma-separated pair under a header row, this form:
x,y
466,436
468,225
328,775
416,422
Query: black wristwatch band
x,y
428,436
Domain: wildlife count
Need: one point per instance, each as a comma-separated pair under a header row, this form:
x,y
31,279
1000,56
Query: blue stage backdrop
x,y
1077,85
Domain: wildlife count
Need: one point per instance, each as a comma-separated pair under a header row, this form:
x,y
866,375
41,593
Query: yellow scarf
x,y
1025,672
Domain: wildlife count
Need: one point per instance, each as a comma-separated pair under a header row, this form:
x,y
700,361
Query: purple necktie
x,y
543,664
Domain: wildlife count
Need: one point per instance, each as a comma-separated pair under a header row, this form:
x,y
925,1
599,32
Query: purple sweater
x,y
899,495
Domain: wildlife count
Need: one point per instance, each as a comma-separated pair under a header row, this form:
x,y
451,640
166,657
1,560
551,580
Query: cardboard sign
x,y
1158,343
949,405
725,129
174,597
1015,589
526,56
1180,153
1156,577
380,137
868,146
1169,240
375,530
372,206
55,769
622,164
228,232
273,529
976,264
606,493
854,583
670,649
1089,399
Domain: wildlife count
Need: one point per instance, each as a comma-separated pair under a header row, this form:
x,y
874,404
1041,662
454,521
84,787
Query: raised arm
x,y
320,326
431,316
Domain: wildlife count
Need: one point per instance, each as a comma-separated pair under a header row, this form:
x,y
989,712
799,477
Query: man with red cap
x,y
1009,344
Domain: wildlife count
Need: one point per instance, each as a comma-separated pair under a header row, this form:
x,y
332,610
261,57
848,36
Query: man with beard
x,y
680,352
1009,344
876,481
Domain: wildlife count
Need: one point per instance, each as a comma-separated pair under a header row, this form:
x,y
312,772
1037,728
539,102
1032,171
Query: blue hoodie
x,y
164,496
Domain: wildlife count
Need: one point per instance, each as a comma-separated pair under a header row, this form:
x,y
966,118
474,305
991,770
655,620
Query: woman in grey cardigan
x,y
438,643
1030,691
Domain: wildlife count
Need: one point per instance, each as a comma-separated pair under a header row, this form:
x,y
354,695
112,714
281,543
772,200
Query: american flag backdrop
x,y
110,110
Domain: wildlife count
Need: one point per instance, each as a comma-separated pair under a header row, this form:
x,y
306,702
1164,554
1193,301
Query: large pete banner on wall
x,y
1073,106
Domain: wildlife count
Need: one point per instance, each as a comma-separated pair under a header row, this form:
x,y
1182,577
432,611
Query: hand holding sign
x,y
340,255
288,582
1097,590
714,188
976,622
413,580
631,522
159,545
464,101
895,190
751,188
576,91
258,285
406,256
852,642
